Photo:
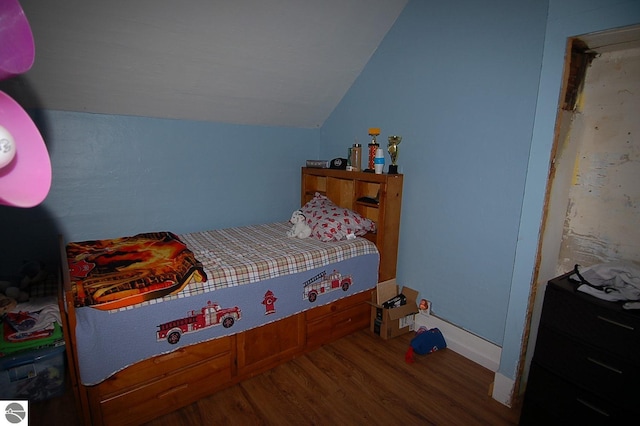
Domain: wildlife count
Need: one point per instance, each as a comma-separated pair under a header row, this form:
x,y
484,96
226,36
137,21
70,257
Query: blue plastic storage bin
x,y
34,375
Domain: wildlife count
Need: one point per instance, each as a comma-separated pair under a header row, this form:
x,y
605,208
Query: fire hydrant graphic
x,y
269,303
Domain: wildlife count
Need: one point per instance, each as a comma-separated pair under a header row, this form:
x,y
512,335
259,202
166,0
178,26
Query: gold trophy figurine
x,y
394,141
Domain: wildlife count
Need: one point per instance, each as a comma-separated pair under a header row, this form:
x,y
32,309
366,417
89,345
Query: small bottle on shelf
x,y
356,157
379,161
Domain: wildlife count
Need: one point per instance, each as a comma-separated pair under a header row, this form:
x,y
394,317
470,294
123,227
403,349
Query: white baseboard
x,y
474,348
503,389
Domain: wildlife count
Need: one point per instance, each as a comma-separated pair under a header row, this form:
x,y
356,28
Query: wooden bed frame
x,y
165,383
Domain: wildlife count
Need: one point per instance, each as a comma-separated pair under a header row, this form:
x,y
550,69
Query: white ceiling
x,y
258,62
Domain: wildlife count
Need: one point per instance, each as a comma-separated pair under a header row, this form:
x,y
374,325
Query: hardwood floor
x,y
357,380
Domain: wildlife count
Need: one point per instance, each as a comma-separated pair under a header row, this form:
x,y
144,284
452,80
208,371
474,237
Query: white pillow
x,y
330,222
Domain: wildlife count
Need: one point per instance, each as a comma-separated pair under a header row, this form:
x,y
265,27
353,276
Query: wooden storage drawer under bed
x,y
163,365
164,383
166,393
341,318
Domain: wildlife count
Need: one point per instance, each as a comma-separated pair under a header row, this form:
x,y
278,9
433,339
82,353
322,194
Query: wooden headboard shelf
x,y
346,188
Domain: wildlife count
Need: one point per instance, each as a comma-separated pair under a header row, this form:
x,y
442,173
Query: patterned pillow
x,y
330,222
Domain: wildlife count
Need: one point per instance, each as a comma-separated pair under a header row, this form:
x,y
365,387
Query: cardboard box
x,y
392,322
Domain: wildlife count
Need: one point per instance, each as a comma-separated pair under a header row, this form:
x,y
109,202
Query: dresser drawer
x,y
160,365
341,323
550,400
167,393
596,322
338,305
267,346
594,369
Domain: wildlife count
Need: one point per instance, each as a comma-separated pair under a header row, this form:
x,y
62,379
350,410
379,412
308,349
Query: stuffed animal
x,y
300,229
17,289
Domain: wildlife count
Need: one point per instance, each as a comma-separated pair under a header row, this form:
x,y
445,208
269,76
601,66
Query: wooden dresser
x,y
586,364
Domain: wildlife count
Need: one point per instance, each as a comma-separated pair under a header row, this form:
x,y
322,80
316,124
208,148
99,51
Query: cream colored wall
x,y
595,194
603,210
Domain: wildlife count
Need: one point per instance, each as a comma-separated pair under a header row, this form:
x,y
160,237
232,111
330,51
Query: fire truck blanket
x,y
109,274
255,275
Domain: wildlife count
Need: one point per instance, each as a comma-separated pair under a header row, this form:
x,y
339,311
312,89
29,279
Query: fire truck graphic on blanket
x,y
209,316
323,283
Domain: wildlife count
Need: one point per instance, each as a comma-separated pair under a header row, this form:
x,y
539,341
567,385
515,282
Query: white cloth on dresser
x,y
612,281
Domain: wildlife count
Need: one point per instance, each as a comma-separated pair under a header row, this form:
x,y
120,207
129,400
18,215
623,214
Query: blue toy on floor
x,y
425,342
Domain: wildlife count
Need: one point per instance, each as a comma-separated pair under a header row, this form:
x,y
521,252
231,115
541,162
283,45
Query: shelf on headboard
x,y
345,188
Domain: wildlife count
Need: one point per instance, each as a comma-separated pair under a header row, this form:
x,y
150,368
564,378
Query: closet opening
x,y
592,202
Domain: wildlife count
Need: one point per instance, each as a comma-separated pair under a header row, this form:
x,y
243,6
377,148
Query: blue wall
x,y
119,175
458,81
473,88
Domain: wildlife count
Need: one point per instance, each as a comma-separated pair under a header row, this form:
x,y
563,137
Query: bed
x,y
155,321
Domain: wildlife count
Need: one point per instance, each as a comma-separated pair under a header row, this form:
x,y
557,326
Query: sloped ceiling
x,y
257,62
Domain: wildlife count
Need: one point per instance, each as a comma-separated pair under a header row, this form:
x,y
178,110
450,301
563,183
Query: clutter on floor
x,y
426,341
31,338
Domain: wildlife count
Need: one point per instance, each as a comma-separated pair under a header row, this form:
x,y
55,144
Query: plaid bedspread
x,y
243,255
237,256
